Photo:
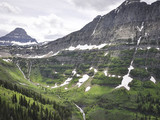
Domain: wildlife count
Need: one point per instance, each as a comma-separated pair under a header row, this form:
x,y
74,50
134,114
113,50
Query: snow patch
x,y
139,40
90,68
7,60
74,72
30,48
146,34
96,26
78,75
95,70
106,73
87,89
23,44
113,75
119,76
130,2
148,48
66,82
117,10
140,28
126,79
50,54
82,80
86,47
106,54
55,86
153,79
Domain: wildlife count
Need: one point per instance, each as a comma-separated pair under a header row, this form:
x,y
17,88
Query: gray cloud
x,y
99,5
53,37
3,32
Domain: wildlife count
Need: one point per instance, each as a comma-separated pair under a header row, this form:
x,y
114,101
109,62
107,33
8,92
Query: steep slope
x,y
17,37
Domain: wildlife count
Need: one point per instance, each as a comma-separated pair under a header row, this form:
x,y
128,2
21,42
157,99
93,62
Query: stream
x,y
84,116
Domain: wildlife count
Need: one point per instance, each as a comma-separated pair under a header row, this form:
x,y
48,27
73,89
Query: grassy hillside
x,y
45,78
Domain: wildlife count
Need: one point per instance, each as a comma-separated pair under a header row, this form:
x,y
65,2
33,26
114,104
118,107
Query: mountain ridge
x,y
119,26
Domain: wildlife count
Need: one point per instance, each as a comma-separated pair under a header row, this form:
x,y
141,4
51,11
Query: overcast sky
x,y
47,20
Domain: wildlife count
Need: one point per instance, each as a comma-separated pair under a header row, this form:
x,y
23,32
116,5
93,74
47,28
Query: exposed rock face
x,y
123,25
17,37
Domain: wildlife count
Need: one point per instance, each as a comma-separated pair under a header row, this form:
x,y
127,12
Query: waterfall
x,y
21,71
84,116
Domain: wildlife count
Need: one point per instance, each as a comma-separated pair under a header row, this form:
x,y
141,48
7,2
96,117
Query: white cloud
x,y
7,8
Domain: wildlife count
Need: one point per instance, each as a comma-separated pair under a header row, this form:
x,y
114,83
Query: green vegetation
x,y
140,73
101,79
21,99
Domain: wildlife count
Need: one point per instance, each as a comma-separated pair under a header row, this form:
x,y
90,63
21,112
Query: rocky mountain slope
x,y
108,70
17,37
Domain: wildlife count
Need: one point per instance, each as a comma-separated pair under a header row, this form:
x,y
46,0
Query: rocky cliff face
x,y
17,37
122,26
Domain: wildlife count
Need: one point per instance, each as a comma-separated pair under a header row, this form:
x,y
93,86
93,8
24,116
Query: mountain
x,y
17,37
120,26
108,70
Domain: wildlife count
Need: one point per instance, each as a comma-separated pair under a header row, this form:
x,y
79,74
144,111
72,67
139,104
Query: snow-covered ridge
x,y
86,47
71,48
18,43
23,44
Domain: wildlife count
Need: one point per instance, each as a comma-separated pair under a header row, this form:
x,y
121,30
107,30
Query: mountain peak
x,y
18,36
131,1
19,30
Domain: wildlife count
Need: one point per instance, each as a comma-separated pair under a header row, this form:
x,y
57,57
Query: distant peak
x,y
18,37
20,30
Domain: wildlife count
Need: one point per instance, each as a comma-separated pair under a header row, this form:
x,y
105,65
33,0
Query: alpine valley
x,y
108,70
